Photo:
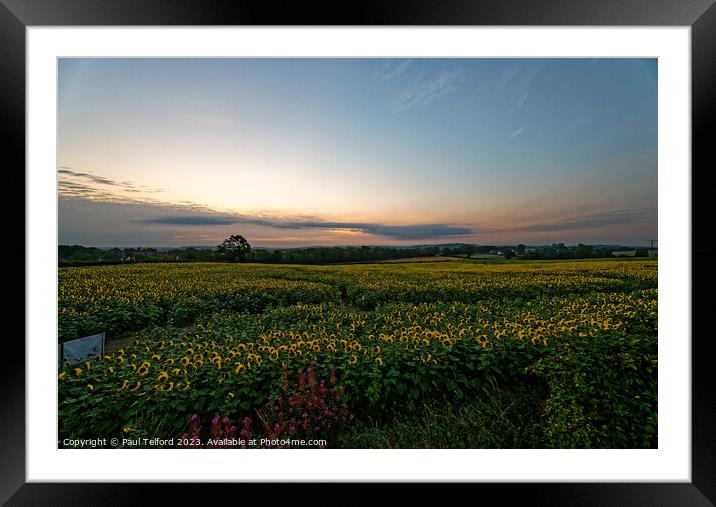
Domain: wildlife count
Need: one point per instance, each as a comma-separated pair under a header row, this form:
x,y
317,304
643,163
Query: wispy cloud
x,y
425,92
77,179
398,232
76,185
521,101
82,190
192,220
397,70
515,85
594,221
517,78
414,231
390,70
515,133
87,186
91,177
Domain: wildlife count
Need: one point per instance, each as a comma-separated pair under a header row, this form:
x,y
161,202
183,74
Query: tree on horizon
x,y
235,248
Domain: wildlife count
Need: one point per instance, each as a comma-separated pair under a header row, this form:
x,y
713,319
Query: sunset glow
x,y
296,152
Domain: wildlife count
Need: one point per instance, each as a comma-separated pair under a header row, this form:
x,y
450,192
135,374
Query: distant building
x,y
132,253
653,253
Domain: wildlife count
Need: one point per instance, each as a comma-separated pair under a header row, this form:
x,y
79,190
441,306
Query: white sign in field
x,y
80,349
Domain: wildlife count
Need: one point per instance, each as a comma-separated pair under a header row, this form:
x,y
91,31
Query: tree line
x,y
237,249
78,255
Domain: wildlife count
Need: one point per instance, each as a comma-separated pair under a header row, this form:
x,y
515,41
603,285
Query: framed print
x,y
435,241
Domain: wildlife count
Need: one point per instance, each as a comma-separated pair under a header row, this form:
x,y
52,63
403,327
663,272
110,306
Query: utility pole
x,y
651,241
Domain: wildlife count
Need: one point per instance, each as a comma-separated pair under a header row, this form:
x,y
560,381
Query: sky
x,y
304,152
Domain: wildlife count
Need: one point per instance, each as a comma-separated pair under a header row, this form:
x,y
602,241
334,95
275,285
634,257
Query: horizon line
x,y
376,245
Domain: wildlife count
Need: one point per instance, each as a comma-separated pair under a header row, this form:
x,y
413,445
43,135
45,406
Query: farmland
x,y
564,354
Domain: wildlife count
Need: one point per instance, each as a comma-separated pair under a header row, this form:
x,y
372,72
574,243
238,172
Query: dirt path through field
x,y
115,344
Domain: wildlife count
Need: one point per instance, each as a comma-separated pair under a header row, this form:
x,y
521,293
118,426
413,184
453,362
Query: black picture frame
x,y
700,15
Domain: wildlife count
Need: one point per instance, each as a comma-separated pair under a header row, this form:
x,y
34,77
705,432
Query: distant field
x,y
420,259
482,256
572,344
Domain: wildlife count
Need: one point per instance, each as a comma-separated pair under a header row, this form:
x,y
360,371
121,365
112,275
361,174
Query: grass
x,y
495,418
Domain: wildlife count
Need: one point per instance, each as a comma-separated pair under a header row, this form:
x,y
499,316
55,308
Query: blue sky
x,y
294,152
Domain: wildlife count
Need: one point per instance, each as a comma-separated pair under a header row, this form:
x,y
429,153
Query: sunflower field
x,y
578,337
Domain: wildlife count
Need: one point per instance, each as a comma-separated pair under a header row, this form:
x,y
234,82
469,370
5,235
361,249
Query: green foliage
x,y
571,346
602,392
583,251
493,417
235,248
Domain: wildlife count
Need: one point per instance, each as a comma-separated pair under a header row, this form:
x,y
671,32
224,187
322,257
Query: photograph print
x,y
293,253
